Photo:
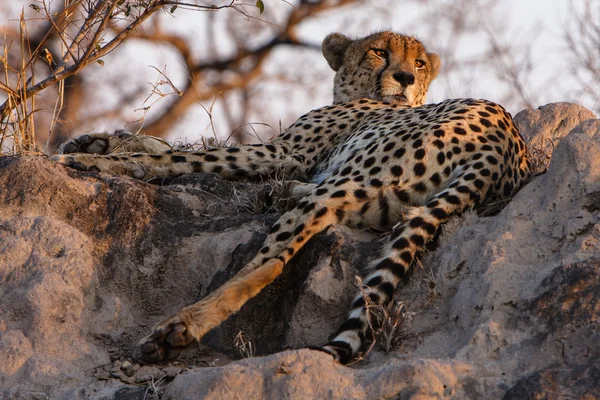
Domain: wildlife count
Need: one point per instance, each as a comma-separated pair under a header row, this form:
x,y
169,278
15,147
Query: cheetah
x,y
377,158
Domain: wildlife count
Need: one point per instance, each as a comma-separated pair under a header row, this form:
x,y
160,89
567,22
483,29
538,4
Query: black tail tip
x,y
340,351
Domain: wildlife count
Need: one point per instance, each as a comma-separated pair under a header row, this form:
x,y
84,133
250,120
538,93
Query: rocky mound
x,y
505,305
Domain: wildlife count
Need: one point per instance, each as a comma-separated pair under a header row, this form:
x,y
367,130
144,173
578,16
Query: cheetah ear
x,y
334,47
434,62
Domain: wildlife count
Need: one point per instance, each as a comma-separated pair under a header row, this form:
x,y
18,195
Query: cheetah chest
x,y
344,151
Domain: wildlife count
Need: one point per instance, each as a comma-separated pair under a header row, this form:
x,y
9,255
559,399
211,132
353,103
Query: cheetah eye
x,y
419,64
380,53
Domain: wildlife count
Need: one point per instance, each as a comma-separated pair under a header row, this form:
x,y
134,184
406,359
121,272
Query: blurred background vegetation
x,y
243,70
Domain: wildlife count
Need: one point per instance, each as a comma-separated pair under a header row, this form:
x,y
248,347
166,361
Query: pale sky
x,y
513,23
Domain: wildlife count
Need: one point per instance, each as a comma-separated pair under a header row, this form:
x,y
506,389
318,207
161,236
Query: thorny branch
x,y
100,14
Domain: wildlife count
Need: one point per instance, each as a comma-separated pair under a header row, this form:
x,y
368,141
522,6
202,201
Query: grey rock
x,y
544,128
504,305
552,121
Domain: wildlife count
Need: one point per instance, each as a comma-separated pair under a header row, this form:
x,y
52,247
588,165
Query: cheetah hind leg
x,y
117,142
311,216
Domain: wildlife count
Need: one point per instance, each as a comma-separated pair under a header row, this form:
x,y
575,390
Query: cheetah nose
x,y
405,78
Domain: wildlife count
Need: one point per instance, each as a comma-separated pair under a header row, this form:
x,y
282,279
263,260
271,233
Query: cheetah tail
x,y
406,241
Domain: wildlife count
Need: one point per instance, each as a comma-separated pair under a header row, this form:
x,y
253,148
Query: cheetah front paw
x,y
117,142
95,143
115,165
81,162
166,341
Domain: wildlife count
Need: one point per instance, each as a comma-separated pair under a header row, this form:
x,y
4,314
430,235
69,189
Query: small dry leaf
x,y
261,6
100,62
46,55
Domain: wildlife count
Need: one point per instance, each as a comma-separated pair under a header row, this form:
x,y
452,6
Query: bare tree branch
x,y
195,91
102,12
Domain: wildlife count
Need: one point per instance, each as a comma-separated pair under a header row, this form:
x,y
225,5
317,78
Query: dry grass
x,y
154,389
204,143
391,321
17,129
244,345
279,193
386,323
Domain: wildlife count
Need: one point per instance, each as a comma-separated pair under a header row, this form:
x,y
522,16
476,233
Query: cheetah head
x,y
384,66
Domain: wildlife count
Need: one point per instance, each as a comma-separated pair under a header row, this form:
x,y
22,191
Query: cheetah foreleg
x,y
244,162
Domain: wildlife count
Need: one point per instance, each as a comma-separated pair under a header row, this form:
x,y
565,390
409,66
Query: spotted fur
x,y
371,162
